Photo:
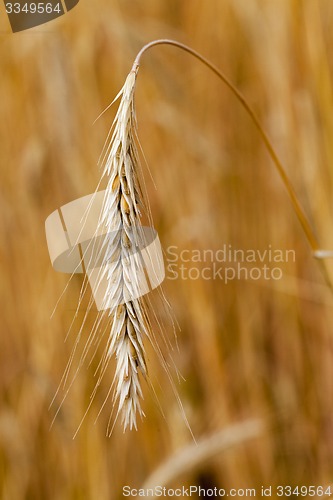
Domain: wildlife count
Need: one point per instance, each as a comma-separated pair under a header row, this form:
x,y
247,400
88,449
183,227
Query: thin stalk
x,y
309,233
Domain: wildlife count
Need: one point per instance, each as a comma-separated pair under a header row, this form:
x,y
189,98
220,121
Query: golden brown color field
x,y
249,349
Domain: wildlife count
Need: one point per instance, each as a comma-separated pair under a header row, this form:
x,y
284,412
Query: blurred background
x,y
248,349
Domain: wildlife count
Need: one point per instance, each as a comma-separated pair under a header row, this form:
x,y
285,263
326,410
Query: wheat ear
x,y
121,218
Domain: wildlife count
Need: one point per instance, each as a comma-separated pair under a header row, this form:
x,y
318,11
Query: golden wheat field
x,y
251,357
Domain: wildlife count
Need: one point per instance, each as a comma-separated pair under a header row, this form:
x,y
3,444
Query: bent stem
x,y
309,233
195,455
